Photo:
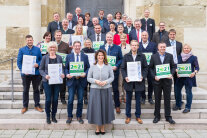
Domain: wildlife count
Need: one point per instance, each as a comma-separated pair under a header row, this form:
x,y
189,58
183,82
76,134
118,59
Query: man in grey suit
x,y
161,35
98,36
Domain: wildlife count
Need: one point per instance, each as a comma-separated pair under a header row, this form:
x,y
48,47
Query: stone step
x,y
118,124
62,114
17,104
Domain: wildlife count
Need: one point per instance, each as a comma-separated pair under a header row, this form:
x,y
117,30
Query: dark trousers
x,y
115,85
63,90
86,90
51,97
150,88
175,86
26,81
189,95
80,91
158,88
128,103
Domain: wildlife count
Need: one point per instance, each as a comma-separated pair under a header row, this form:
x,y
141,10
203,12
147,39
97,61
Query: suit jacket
x,y
155,60
91,31
106,27
52,27
150,26
71,58
179,47
90,24
44,66
126,31
151,47
75,18
133,35
93,37
115,51
73,24
139,86
156,37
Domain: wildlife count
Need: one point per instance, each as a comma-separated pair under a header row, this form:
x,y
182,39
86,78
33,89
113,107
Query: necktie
x,y
78,16
108,52
172,43
138,35
146,25
98,37
58,25
77,60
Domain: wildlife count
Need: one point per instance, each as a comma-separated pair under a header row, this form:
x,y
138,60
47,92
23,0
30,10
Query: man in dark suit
x,y
148,24
106,25
129,26
71,23
65,29
133,56
135,34
147,47
76,83
164,84
161,35
98,36
102,19
54,25
114,50
77,15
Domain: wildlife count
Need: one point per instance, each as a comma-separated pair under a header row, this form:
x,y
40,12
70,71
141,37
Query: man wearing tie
x,y
76,83
161,35
164,84
54,25
77,15
136,33
71,23
98,36
129,26
114,50
148,24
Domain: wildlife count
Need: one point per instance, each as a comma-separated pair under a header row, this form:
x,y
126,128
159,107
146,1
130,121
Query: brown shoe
x,y
39,109
139,120
118,111
127,121
24,110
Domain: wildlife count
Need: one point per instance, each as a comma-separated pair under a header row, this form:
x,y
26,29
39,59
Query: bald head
x,y
145,36
109,17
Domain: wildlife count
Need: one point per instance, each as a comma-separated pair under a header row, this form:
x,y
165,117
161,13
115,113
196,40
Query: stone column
x,y
35,20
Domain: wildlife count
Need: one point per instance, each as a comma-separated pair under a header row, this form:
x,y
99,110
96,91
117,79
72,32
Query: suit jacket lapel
x,y
166,56
82,58
72,58
158,56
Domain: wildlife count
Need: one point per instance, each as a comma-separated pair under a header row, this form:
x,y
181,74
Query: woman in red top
x,y
120,30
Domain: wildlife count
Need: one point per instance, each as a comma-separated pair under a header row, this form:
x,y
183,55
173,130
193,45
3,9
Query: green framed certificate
x,y
163,71
97,44
44,48
76,68
111,60
63,55
184,70
148,57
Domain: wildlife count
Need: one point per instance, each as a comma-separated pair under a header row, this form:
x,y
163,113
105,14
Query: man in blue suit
x,y
147,47
114,50
135,34
76,83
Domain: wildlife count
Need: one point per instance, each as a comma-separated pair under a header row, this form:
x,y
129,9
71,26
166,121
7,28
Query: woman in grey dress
x,y
100,107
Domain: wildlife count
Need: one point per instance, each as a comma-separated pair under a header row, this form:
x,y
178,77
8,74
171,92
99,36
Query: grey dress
x,y
100,107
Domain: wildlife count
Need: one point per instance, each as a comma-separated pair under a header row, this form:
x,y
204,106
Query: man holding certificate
x,y
76,69
28,62
134,71
114,57
162,68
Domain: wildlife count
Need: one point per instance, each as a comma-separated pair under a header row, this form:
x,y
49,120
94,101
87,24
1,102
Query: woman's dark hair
x,y
116,14
87,13
112,23
46,34
105,57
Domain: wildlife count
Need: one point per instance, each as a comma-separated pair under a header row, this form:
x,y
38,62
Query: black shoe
x,y
41,91
69,120
63,101
54,120
97,133
151,101
186,110
170,120
143,101
175,108
80,120
48,121
102,133
85,101
156,120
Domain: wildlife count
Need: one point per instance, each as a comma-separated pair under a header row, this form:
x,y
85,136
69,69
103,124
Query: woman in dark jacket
x,y
51,91
188,82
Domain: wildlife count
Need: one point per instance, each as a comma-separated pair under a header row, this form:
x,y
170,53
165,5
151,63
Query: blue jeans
x,y
189,95
129,101
51,96
80,91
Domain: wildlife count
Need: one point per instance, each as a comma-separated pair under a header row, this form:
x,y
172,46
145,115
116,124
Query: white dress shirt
x,y
145,44
97,37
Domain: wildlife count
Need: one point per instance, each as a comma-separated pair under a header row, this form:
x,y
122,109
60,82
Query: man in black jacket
x,y
161,35
138,86
162,84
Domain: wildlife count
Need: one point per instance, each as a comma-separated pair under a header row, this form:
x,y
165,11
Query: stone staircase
x,y
11,117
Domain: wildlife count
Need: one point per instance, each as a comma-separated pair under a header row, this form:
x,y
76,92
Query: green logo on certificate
x,y
44,48
97,44
63,57
111,60
184,70
163,71
148,57
76,68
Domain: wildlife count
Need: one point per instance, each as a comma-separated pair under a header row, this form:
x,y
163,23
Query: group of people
x,y
126,43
